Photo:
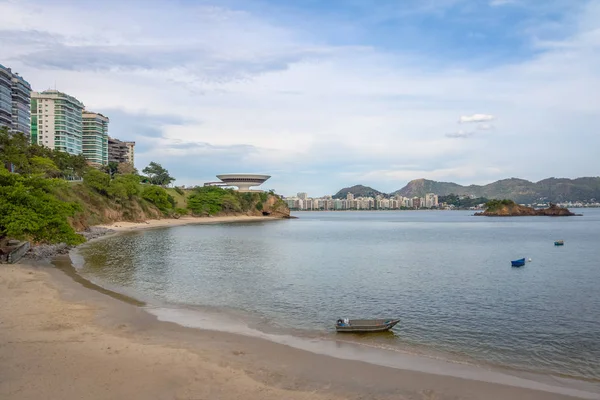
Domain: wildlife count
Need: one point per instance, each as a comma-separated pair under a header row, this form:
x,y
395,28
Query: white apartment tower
x,y
56,121
95,138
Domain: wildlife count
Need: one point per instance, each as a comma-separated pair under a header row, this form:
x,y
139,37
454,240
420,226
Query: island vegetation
x,y
47,196
462,202
508,208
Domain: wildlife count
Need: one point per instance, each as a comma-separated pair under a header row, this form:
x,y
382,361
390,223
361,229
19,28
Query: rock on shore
x,y
47,251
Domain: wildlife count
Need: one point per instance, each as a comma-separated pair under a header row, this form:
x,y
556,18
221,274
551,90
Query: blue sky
x,y
326,94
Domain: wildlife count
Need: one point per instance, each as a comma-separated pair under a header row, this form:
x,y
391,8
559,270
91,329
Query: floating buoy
x,y
529,260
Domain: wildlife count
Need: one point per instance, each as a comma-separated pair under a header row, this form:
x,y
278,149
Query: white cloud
x,y
258,95
460,134
475,118
484,127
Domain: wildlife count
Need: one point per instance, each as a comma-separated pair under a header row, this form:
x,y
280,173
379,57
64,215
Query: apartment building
x,y
15,97
120,151
57,121
95,137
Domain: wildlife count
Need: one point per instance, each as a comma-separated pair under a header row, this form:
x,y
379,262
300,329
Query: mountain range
x,y
519,190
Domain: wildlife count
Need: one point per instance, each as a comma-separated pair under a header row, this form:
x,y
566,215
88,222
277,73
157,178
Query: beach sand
x,y
61,340
186,220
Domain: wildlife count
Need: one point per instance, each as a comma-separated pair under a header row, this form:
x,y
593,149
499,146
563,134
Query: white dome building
x,y
244,181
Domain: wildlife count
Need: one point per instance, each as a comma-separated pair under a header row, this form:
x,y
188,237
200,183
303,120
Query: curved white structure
x,y
243,181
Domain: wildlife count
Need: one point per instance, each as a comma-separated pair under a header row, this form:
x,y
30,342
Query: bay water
x,y
445,274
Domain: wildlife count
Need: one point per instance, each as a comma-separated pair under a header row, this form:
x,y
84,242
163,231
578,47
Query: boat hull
x,y
518,263
366,326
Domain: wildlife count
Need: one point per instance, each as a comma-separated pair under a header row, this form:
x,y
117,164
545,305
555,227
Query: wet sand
x,y
61,340
186,220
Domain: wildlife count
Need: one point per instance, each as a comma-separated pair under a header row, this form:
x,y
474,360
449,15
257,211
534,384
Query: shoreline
x,y
102,343
255,367
185,220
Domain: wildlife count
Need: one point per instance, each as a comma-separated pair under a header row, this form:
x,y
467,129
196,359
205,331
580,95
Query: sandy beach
x,y
186,220
61,340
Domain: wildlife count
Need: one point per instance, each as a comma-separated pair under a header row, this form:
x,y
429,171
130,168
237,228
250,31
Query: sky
x,y
326,94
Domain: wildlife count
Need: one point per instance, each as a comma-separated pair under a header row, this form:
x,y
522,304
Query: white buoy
x,y
529,260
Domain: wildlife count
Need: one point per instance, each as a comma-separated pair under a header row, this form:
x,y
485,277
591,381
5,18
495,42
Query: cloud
x,y
460,134
484,127
475,118
277,89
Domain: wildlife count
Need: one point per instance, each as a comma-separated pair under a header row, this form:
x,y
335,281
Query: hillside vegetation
x,y
508,208
39,203
519,190
358,191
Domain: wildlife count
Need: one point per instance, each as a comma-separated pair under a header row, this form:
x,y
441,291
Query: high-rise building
x,y
130,152
5,97
120,152
302,196
95,138
56,121
15,97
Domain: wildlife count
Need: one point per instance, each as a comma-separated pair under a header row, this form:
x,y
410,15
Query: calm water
x,y
447,275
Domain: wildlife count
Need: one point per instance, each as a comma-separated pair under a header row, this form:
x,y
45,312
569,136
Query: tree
x,y
124,187
97,180
13,149
159,197
43,165
111,169
125,168
157,175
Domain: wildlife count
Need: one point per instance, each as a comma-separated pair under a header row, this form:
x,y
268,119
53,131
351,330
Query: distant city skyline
x,y
322,95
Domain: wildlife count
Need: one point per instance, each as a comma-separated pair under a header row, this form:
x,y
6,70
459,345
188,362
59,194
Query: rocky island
x,y
508,208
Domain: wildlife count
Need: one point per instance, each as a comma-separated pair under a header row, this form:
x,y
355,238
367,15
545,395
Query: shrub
x,y
212,200
124,187
28,210
159,197
97,180
179,190
182,211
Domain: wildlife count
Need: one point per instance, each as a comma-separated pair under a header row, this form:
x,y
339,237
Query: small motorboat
x,y
365,325
518,263
559,243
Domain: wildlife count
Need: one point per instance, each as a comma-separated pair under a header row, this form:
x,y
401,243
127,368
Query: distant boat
x,y
365,325
559,243
518,263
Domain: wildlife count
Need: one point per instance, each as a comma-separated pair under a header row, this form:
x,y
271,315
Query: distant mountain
x,y
358,191
418,188
519,190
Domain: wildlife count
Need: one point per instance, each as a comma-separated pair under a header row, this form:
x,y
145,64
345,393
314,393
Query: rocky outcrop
x,y
275,207
510,209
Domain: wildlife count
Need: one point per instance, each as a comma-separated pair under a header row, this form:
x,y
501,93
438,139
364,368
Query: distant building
x,y
416,202
95,138
15,102
302,196
120,152
130,152
56,121
431,200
